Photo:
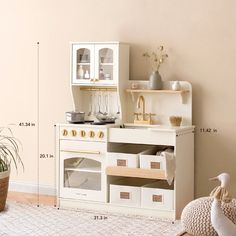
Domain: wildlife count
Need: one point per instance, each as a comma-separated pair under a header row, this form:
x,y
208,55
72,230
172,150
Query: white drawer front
x,y
83,147
153,197
141,136
125,195
87,195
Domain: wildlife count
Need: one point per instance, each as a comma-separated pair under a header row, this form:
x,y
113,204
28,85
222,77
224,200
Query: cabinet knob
x,y
73,133
64,132
82,133
96,79
100,134
91,134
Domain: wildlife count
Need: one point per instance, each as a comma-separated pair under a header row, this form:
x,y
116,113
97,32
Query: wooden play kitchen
x,y
120,158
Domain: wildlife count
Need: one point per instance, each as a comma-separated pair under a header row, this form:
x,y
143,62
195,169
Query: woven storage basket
x,y
175,120
4,181
196,216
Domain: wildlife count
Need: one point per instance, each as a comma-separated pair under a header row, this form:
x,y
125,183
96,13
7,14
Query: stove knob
x,y
82,133
100,134
64,132
73,133
91,134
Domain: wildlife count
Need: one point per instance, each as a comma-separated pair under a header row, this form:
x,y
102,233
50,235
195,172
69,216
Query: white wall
x,y
200,39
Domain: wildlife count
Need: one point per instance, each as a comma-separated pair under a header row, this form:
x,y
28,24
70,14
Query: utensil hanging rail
x,y
108,89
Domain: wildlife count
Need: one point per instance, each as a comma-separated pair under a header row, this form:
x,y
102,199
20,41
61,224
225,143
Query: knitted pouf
x,y
196,216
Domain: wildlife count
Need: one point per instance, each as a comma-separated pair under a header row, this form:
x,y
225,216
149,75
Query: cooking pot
x,y
75,116
106,118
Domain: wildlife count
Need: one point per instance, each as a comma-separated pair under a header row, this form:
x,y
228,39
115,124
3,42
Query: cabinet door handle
x,y
81,151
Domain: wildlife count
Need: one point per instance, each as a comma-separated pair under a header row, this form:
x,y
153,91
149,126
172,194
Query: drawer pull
x,y
81,151
120,162
155,165
157,198
124,195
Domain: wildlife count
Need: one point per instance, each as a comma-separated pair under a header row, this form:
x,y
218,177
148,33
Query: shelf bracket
x,y
132,96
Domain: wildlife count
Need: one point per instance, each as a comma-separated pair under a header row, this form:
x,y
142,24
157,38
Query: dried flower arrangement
x,y
157,58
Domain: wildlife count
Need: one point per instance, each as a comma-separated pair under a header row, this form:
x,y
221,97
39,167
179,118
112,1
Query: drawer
x,y
127,192
83,147
140,136
125,155
158,195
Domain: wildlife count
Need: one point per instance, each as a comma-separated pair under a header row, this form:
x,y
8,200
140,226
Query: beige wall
x,y
200,39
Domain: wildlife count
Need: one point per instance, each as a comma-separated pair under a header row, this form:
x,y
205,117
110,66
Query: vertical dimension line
x,y
38,123
55,168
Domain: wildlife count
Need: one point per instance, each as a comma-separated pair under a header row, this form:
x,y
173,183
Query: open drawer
x,y
152,159
125,155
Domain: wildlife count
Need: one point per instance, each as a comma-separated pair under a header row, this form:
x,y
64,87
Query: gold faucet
x,y
143,115
141,99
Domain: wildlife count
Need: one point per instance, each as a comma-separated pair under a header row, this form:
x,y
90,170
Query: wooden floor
x,y
36,199
31,198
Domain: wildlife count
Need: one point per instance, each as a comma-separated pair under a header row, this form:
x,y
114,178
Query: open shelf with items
x,y
163,103
98,63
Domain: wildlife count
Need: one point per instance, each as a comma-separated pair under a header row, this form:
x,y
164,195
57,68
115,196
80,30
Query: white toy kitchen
x,y
123,155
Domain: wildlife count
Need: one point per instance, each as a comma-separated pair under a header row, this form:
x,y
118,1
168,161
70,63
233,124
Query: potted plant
x,y
157,58
9,153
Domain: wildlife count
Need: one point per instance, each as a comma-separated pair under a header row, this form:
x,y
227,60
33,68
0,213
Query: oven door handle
x,y
82,151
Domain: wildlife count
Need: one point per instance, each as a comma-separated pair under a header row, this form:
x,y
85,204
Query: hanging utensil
x,y
118,108
99,104
91,105
106,105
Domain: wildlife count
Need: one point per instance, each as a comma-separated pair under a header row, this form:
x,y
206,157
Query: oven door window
x,y
82,173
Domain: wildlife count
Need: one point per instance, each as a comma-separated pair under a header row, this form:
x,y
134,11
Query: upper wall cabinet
x,y
95,63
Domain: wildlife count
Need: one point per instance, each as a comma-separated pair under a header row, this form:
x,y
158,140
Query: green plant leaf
x,y
9,150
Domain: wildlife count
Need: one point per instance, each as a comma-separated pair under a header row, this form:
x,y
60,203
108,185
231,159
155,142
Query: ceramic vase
x,y
155,81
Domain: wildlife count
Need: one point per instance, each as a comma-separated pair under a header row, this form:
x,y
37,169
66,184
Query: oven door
x,y
82,176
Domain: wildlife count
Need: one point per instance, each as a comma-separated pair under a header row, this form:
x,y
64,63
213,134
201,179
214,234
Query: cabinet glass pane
x,y
83,59
106,64
82,173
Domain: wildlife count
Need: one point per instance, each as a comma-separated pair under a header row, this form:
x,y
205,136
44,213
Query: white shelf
x,y
83,169
157,91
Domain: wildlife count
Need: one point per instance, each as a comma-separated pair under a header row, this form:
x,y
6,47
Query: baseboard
x,y
15,186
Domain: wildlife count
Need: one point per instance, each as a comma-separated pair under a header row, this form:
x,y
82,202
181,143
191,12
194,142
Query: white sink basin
x,y
139,126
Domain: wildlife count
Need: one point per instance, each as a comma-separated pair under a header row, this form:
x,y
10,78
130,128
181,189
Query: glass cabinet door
x,y
105,63
82,173
82,63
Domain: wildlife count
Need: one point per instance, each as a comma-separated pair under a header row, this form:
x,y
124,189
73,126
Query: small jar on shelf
x,y
86,75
